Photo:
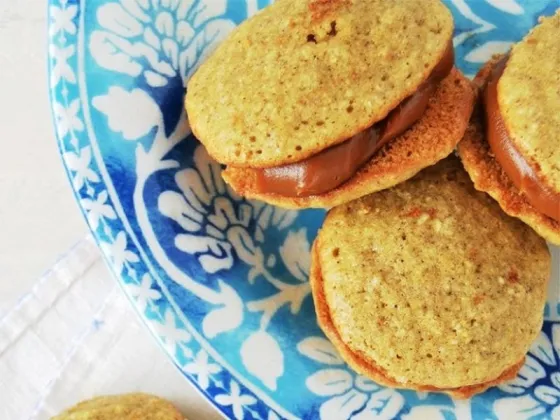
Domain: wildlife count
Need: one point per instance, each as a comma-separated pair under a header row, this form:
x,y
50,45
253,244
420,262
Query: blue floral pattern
x,y
222,281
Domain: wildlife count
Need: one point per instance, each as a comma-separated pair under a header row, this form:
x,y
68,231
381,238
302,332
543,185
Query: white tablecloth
x,y
39,219
74,336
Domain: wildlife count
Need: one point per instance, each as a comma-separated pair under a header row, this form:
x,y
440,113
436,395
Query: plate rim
x,y
118,277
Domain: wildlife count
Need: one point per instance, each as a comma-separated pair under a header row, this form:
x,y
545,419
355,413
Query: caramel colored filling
x,y
518,170
332,167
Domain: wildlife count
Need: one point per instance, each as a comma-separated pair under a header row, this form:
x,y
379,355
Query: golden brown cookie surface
x,y
367,367
135,406
430,284
303,75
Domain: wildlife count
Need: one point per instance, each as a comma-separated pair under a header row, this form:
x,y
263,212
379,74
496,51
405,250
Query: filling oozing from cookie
x,y
541,196
332,167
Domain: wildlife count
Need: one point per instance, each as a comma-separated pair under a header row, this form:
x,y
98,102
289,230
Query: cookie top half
x,y
303,75
431,282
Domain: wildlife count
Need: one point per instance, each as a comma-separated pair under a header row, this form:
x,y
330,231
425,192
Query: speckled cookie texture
x,y
431,139
135,406
429,285
303,75
488,175
529,99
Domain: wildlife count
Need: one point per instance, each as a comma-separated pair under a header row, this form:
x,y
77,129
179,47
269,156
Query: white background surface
x,y
38,217
39,220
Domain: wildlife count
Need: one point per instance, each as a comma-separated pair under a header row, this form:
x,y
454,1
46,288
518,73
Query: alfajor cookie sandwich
x,y
430,285
512,148
313,103
135,406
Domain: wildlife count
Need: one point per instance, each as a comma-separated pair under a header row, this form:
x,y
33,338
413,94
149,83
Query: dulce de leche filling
x,y
518,170
332,167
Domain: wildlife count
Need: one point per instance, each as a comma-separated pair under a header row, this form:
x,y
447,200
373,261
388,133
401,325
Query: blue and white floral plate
x,y
219,280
